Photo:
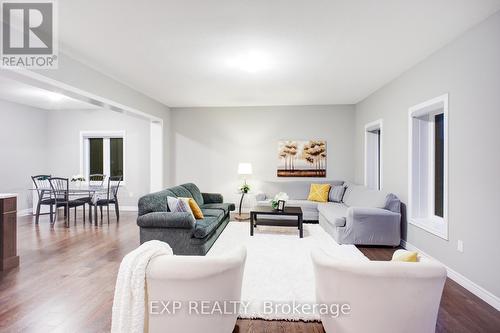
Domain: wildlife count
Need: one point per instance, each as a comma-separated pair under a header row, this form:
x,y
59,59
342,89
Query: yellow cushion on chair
x,y
198,214
319,192
404,255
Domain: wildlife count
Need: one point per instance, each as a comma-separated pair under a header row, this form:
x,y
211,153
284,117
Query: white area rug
x,y
279,267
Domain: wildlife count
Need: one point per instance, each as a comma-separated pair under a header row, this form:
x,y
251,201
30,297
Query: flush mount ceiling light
x,y
53,96
252,61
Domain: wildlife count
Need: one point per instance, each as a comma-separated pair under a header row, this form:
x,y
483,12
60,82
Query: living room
x,y
250,166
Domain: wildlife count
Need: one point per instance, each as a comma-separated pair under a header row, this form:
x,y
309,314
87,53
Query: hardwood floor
x,y
66,280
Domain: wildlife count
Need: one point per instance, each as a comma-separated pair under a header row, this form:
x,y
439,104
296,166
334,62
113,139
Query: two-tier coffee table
x,y
266,210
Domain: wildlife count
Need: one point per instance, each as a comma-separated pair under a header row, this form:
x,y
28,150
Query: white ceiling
x,y
22,93
188,52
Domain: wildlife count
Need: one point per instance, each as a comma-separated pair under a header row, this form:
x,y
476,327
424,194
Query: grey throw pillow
x,y
336,193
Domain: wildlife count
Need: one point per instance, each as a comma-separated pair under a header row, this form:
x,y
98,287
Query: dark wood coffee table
x,y
266,210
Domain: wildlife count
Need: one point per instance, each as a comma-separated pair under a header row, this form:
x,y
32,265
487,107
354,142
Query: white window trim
x,y
106,135
434,224
377,124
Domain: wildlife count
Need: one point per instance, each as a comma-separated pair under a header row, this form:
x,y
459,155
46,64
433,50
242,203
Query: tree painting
x,y
302,158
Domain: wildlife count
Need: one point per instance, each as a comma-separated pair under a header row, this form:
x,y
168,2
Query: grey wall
x,y
208,143
64,129
23,143
469,70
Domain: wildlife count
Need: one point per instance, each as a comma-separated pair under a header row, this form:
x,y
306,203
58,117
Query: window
x,y
373,155
116,157
96,161
102,153
428,169
439,165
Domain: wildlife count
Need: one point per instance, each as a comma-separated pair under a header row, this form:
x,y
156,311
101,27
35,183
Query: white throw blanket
x,y
128,304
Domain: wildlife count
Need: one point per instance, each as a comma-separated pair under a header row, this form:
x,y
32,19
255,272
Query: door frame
x,y
374,125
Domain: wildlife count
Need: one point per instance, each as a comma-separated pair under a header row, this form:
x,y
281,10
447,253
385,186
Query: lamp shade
x,y
244,169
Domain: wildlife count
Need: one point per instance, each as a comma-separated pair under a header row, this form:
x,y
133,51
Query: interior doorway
x,y
373,155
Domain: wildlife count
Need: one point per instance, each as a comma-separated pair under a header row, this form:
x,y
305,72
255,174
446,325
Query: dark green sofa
x,y
179,230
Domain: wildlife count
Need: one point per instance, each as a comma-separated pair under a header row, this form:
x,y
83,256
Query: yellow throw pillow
x,y
198,214
319,192
403,255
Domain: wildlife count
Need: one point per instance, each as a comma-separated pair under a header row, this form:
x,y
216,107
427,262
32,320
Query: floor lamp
x,y
244,169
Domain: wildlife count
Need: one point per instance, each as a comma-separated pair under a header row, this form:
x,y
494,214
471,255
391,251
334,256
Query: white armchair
x,y
193,278
385,297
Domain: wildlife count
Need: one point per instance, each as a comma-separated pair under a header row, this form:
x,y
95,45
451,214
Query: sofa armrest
x,y
360,215
209,198
182,220
392,203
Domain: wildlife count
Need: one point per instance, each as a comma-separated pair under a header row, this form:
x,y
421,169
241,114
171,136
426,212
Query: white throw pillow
x,y
179,205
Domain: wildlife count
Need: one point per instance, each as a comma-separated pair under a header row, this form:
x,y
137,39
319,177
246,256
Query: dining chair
x,y
111,198
60,189
45,197
95,180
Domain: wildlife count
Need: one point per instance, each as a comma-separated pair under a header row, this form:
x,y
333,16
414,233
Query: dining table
x,y
95,192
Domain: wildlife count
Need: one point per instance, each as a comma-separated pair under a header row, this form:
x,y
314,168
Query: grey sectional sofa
x,y
363,217
297,191
185,235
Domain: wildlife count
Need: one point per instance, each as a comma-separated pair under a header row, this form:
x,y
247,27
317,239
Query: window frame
x,y
431,223
106,136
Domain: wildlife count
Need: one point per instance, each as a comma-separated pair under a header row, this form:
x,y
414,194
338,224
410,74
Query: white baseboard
x,y
25,212
128,208
477,290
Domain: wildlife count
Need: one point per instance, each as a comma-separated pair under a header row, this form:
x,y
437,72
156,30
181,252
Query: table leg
x,y
251,224
301,226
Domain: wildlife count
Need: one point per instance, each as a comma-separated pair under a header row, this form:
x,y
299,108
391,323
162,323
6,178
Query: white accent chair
x,y
194,278
385,297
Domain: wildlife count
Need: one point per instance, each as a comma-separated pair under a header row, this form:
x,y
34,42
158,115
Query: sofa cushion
x,y
155,202
306,205
195,193
360,196
225,207
212,212
181,191
334,213
209,198
296,189
206,226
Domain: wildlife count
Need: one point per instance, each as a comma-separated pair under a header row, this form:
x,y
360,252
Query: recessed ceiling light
x,y
251,61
